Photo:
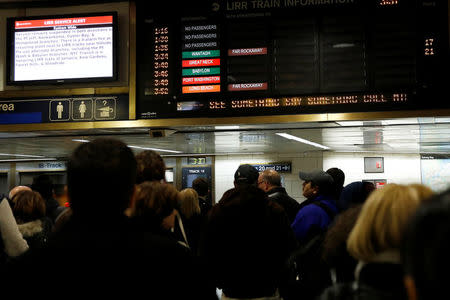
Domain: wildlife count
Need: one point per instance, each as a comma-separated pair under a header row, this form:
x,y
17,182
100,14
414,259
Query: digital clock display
x,y
388,2
160,79
241,58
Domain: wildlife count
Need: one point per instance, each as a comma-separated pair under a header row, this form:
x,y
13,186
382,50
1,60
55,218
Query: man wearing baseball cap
x,y
247,240
310,224
317,212
246,175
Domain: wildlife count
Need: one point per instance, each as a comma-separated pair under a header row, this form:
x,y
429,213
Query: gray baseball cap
x,y
318,177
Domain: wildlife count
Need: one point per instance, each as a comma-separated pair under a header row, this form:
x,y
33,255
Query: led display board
x,y
276,57
61,48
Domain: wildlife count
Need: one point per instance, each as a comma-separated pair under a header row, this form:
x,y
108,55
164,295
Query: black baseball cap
x,y
246,174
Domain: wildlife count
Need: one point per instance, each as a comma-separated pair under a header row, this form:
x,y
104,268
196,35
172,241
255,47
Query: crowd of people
x,y
125,231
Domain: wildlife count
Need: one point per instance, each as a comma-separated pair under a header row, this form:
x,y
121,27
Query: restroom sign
x,y
59,110
82,109
105,108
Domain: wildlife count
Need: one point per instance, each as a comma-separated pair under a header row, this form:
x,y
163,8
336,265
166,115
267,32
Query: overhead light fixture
x,y
210,154
343,45
21,155
295,138
406,121
26,159
350,123
441,120
135,147
227,127
154,149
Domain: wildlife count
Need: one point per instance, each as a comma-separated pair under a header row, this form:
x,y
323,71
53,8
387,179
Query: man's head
x,y
17,189
200,185
316,182
246,175
100,177
60,193
426,250
338,176
150,167
269,179
43,185
339,179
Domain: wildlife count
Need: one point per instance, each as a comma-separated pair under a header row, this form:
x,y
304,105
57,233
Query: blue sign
x,y
22,118
52,165
281,167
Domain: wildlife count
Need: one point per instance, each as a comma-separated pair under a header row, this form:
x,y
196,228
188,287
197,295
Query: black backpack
x,y
306,274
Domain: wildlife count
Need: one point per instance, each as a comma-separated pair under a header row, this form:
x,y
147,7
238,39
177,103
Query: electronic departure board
x,y
265,57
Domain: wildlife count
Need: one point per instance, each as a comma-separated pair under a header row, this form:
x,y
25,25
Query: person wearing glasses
x,y
270,182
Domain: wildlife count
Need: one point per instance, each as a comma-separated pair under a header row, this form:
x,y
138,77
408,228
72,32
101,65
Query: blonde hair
x,y
189,204
424,192
383,219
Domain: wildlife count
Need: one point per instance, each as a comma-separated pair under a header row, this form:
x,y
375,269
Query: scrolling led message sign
x,y
247,58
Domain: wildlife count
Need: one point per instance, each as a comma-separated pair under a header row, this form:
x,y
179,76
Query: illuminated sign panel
x,y
61,49
201,63
201,80
254,58
201,89
247,51
259,86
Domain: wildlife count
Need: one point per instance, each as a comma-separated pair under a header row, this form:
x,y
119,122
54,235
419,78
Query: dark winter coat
x,y
312,219
109,258
247,241
290,205
193,228
377,281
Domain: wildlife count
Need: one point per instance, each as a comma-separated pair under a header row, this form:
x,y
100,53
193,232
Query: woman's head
x,y
150,167
155,201
28,206
382,221
424,192
189,204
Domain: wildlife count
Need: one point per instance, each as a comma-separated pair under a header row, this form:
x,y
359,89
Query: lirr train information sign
x,y
282,57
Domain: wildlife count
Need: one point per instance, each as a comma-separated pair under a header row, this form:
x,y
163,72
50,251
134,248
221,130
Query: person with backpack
x,y
318,210
308,275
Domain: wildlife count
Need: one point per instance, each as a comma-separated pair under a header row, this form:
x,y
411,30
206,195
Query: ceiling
x,y
411,135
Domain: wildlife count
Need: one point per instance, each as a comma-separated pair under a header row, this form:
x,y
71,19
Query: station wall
x,y
226,166
398,168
